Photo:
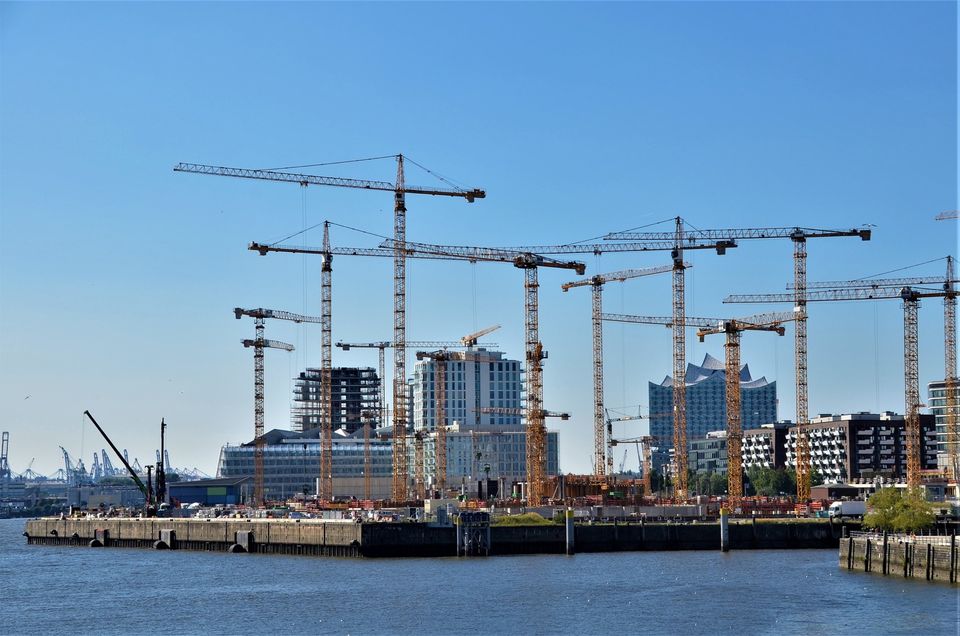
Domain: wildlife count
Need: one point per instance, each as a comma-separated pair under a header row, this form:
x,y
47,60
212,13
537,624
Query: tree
x,y
771,482
891,509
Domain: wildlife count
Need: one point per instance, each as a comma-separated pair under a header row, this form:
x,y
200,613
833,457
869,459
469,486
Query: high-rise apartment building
x,y
475,379
937,401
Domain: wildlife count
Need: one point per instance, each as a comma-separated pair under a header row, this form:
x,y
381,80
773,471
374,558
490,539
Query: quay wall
x,y
925,558
335,538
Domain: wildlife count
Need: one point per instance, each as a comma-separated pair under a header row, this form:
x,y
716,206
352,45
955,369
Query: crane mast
x,y
950,370
399,338
259,344
602,456
733,330
326,369
440,359
399,189
910,297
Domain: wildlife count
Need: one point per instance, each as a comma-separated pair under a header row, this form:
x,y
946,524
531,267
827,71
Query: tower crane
x,y
911,297
691,243
646,461
440,359
382,345
950,379
529,262
259,344
702,323
400,189
733,329
681,237
602,459
609,435
470,340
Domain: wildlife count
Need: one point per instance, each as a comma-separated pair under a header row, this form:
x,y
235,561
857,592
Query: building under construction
x,y
353,391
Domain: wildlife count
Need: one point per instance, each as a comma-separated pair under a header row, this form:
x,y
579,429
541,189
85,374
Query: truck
x,y
854,508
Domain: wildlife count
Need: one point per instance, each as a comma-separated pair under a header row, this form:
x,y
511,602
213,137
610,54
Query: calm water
x,y
121,591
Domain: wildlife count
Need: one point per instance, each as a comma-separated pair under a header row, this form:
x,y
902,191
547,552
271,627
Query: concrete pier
x,y
350,539
928,558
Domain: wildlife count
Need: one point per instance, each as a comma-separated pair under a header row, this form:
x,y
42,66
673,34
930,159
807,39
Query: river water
x,y
121,591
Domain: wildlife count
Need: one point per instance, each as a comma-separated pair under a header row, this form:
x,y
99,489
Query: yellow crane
x,y
690,243
682,238
440,359
602,459
733,328
259,344
400,189
911,297
527,261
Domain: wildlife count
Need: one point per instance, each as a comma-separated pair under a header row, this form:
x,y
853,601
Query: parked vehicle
x,y
854,508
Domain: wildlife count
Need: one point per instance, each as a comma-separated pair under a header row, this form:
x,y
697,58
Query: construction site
x,y
422,456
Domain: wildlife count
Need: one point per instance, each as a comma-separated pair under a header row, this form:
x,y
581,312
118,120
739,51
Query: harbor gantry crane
x,y
529,262
602,459
681,236
911,297
400,189
733,328
259,344
4,450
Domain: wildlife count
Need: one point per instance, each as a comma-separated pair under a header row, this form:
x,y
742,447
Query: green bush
x,y
526,519
896,511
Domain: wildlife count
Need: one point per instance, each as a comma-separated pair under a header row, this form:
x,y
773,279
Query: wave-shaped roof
x,y
711,367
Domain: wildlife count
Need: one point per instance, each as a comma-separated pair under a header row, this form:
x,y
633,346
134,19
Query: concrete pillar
x,y
568,522
724,529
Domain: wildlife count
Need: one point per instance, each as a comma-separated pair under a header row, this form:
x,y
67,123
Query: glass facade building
x,y
707,404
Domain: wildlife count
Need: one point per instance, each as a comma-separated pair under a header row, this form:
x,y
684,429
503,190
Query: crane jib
x,y
309,179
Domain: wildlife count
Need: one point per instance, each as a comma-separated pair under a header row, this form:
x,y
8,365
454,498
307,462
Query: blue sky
x,y
117,275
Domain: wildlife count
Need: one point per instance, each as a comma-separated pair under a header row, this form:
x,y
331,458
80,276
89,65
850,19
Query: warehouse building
x,y
292,461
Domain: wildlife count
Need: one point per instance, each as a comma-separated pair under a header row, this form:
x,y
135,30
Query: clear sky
x,y
118,276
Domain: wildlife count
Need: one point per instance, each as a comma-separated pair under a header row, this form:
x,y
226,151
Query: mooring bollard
x,y
568,522
724,530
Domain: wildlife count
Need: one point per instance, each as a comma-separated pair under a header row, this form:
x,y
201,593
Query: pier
x,y
930,558
351,539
